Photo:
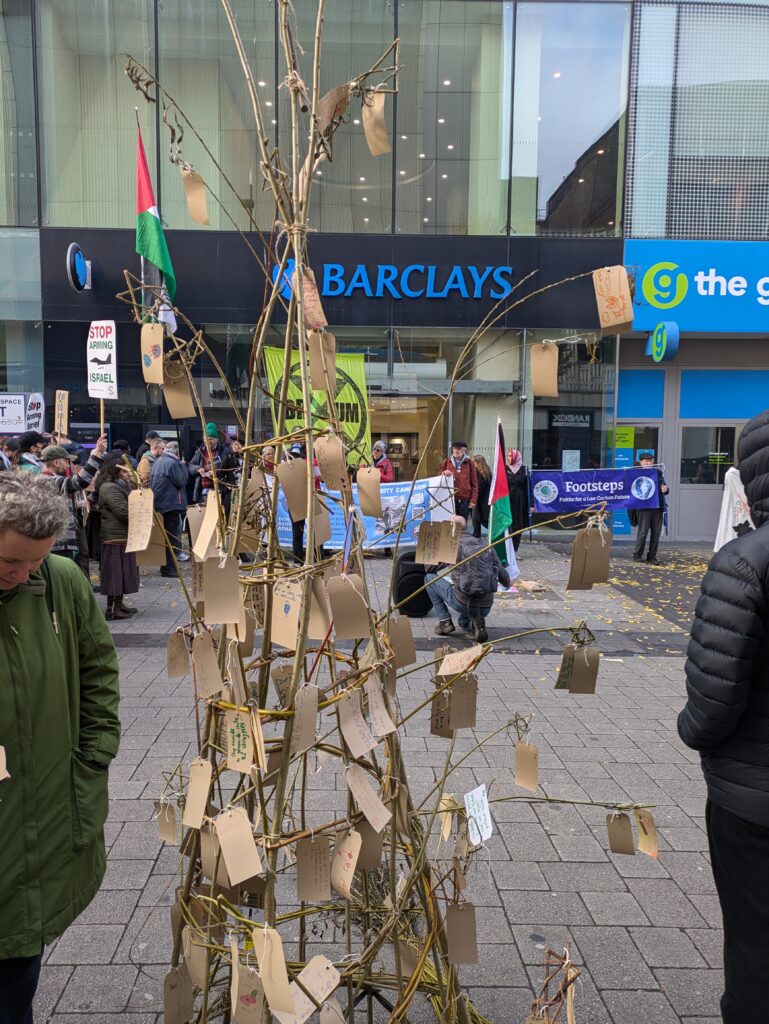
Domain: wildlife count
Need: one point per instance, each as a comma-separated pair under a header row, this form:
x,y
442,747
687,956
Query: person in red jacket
x,y
382,463
465,476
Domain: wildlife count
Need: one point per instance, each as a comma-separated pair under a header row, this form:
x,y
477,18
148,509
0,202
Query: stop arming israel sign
x,y
619,488
101,359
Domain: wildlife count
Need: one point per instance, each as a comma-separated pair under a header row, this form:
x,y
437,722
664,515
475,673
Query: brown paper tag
x,y
197,793
612,295
374,125
446,815
177,656
579,669
140,519
343,861
314,317
647,833
286,603
438,542
241,857
332,106
464,702
322,525
195,194
402,641
381,722
4,773
313,869
281,677
620,833
195,958
320,613
272,969
349,608
329,452
205,542
331,1013
236,675
459,662
258,736
176,391
305,719
369,497
293,479
544,369
461,933
459,876
322,352
178,997
355,730
526,765
439,715
240,747
597,556
366,797
166,819
152,353
209,678
577,565
320,978
211,860
61,413
221,586
250,1005
371,848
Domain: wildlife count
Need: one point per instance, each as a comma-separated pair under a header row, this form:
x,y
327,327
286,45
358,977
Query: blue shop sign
x,y
708,286
662,345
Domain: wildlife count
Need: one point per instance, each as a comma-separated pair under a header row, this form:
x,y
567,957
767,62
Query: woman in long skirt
x,y
119,571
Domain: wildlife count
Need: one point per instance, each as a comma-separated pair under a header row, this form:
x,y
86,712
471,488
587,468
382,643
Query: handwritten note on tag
x,y
381,723
305,719
314,317
320,978
355,730
286,604
647,833
526,765
459,662
207,674
367,798
197,793
240,747
439,715
620,833
248,1007
343,861
438,542
479,824
141,505
313,869
236,839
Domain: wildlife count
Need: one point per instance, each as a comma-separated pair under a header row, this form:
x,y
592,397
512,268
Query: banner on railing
x,y
431,500
558,492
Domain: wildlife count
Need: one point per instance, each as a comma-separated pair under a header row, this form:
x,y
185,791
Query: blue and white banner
x,y
569,492
432,500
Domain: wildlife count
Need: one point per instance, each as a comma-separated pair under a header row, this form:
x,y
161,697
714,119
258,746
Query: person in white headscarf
x,y
735,511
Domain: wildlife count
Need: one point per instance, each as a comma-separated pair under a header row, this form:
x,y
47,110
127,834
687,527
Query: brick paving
x,y
647,931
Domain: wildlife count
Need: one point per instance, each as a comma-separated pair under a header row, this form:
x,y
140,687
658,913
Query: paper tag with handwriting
x,y
207,674
479,824
313,869
305,719
320,978
250,1005
240,747
381,723
459,662
367,798
197,793
141,505
355,730
647,833
343,861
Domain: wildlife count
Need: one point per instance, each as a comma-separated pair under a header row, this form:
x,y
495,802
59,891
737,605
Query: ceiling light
x,y
429,199
601,152
274,121
556,74
364,199
421,156
319,173
449,146
446,81
356,120
444,175
611,223
441,120
581,181
404,137
365,220
262,84
268,103
426,220
401,172
539,118
361,179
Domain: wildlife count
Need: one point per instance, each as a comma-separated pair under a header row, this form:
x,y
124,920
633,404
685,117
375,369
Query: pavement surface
x,y
646,931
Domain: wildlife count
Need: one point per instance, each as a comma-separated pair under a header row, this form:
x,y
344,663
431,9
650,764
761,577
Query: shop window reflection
x,y
706,454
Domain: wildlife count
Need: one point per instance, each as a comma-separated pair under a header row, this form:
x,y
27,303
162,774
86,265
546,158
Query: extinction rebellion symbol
x,y
352,411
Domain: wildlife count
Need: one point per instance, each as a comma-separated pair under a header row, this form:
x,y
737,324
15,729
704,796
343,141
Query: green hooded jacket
x,y
60,729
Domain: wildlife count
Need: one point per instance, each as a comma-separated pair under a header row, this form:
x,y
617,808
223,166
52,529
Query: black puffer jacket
x,y
726,716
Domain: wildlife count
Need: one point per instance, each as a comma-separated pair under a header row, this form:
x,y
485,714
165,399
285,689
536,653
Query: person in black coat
x,y
650,520
168,479
726,719
481,510
518,489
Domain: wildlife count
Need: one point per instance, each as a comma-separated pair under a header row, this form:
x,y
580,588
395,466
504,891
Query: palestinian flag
x,y
150,240
500,514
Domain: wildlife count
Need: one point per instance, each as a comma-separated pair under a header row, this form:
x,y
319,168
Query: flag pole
x,y
141,258
101,417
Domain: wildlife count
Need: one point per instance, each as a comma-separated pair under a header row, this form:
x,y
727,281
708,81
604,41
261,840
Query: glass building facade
x,y
522,133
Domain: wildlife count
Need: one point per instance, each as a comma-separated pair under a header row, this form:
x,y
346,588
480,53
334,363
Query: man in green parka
x,y
59,731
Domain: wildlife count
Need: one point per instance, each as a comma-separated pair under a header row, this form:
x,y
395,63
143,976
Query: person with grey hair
x,y
382,463
59,731
168,480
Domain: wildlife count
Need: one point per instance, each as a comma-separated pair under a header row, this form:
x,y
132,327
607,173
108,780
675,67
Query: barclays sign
x,y
414,281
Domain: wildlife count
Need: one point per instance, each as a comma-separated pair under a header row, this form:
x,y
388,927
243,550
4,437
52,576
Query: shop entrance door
x,y
707,452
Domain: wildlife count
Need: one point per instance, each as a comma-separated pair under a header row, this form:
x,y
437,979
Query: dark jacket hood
x,y
754,466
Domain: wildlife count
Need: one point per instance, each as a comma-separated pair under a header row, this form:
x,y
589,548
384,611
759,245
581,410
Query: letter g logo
x,y
662,287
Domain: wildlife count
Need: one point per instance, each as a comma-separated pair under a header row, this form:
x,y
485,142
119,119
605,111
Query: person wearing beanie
x,y
149,437
465,475
31,445
382,463
726,719
214,459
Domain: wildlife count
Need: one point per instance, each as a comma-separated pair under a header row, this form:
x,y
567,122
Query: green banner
x,y
351,398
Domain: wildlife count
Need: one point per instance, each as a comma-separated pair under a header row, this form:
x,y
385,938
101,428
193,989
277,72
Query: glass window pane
x,y
87,122
200,68
18,173
706,454
569,117
453,138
